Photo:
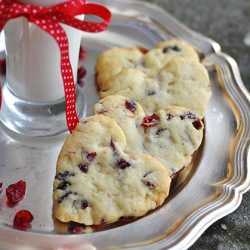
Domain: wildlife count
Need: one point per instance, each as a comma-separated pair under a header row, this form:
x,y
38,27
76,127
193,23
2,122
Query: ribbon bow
x,y
48,19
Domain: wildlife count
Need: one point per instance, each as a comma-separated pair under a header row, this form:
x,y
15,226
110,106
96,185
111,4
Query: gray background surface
x,y
228,23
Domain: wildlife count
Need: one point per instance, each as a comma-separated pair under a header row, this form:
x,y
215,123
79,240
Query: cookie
x,y
171,135
164,52
127,113
97,183
111,62
182,82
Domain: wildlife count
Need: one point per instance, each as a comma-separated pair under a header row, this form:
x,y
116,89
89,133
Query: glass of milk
x,y
33,96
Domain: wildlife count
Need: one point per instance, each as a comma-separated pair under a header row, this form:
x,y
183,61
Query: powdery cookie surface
x,y
171,135
111,62
182,82
97,182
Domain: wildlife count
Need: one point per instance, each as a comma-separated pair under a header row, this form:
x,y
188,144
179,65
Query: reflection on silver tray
x,y
215,185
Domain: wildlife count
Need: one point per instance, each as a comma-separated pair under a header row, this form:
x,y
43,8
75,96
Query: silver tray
x,y
214,186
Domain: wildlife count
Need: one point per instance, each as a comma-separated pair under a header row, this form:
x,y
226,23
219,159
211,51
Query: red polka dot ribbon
x,y
49,19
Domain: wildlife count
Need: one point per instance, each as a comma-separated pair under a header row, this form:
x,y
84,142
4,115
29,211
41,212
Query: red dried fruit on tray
x,y
82,54
15,192
81,83
2,66
150,121
81,72
22,220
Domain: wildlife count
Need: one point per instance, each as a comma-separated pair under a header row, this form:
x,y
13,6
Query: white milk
x,y
33,58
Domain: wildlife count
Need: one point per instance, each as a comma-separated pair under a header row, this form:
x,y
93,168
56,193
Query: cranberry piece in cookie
x,y
149,184
173,48
91,156
113,186
150,121
64,175
130,106
197,124
188,115
84,167
122,164
63,185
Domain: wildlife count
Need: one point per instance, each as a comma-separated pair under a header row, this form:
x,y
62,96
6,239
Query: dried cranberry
x,y
63,175
3,66
81,83
84,204
103,222
159,131
60,200
82,54
81,72
150,121
151,92
188,115
1,187
169,117
15,192
143,49
63,185
149,184
174,48
113,146
147,173
122,164
197,124
91,156
22,220
84,167
130,106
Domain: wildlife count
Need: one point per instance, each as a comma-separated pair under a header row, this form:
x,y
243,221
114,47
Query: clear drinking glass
x,y
33,101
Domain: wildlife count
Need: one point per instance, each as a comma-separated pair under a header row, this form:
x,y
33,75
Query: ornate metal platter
x,y
214,187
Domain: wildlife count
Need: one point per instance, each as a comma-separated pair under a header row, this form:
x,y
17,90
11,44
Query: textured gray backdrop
x,y
227,22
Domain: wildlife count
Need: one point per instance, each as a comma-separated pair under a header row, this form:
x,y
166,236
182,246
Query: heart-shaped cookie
x,y
111,62
171,135
182,82
96,182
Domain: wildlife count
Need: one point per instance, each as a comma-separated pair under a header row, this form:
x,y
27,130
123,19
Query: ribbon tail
x,y
57,32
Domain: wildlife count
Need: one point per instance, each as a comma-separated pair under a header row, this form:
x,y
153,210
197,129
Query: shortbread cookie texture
x,y
182,82
171,135
97,182
164,52
128,114
111,62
